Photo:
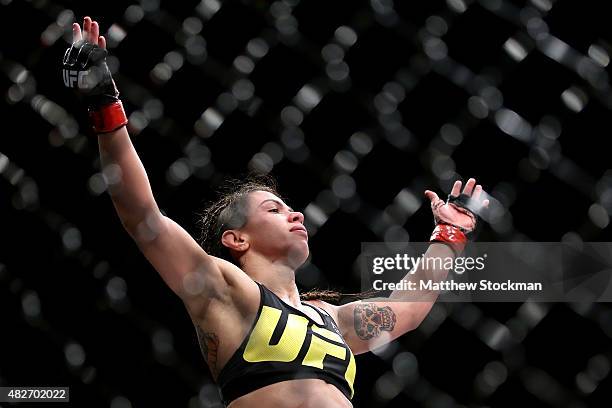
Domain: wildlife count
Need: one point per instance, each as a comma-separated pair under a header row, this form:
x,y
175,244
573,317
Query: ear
x,y
235,240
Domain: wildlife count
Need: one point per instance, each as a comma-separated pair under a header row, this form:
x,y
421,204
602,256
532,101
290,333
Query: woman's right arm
x,y
180,261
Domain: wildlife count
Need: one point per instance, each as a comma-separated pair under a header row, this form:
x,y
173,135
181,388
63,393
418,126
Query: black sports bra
x,y
286,344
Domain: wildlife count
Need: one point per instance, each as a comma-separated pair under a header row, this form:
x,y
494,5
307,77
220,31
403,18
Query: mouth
x,y
299,228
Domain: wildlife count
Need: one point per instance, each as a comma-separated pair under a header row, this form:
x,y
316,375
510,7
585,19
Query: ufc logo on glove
x,y
71,76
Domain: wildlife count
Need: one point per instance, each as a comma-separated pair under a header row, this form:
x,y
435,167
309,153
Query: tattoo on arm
x,y
209,345
371,320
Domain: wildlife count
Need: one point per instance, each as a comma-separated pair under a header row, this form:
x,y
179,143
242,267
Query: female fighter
x,y
264,347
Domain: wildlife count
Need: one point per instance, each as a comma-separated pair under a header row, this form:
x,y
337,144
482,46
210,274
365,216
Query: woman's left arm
x,y
371,323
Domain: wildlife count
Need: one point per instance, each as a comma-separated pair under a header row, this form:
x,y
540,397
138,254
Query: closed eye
x,y
273,210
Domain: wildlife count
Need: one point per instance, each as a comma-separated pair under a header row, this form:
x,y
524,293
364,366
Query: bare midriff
x,y
305,393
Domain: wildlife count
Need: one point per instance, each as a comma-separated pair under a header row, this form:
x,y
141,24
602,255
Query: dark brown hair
x,y
229,211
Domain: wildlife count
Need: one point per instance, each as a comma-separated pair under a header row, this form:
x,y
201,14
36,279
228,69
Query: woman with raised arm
x,y
264,346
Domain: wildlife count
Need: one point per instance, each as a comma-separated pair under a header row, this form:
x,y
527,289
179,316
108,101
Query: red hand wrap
x,y
108,118
451,236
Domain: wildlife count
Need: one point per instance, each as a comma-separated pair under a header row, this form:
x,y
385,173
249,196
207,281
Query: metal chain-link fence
x,y
356,107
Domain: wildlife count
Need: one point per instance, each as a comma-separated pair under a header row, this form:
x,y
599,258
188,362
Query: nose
x,y
296,216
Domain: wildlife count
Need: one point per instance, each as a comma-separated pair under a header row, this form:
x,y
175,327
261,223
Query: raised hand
x,y
460,209
85,71
90,33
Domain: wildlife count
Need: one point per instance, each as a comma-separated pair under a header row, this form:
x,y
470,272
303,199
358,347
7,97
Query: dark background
x,y
356,107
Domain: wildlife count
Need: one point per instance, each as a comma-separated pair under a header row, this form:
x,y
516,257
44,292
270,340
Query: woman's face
x,y
274,229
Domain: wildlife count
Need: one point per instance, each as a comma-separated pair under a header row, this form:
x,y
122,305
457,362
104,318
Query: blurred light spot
x,y
539,157
208,396
436,25
385,103
51,34
243,89
292,137
451,134
244,64
286,24
443,166
115,35
478,107
537,28
192,25
101,269
14,94
274,150
65,18
361,143
150,5
257,47
493,97
19,74
574,98
138,121
208,8
435,48
74,353
344,186
337,71
396,233
196,46
599,55
457,5
261,163
327,201
555,48
279,9
513,124
345,161
174,59
307,97
346,36
210,121
406,366
4,161
120,402
88,375
291,116
408,201
153,108
30,303
161,72
599,216
315,214
598,367
198,155
515,50
332,53
495,335
71,238
226,102
585,384
388,386
163,341
532,313
178,172
116,288
133,14
544,5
